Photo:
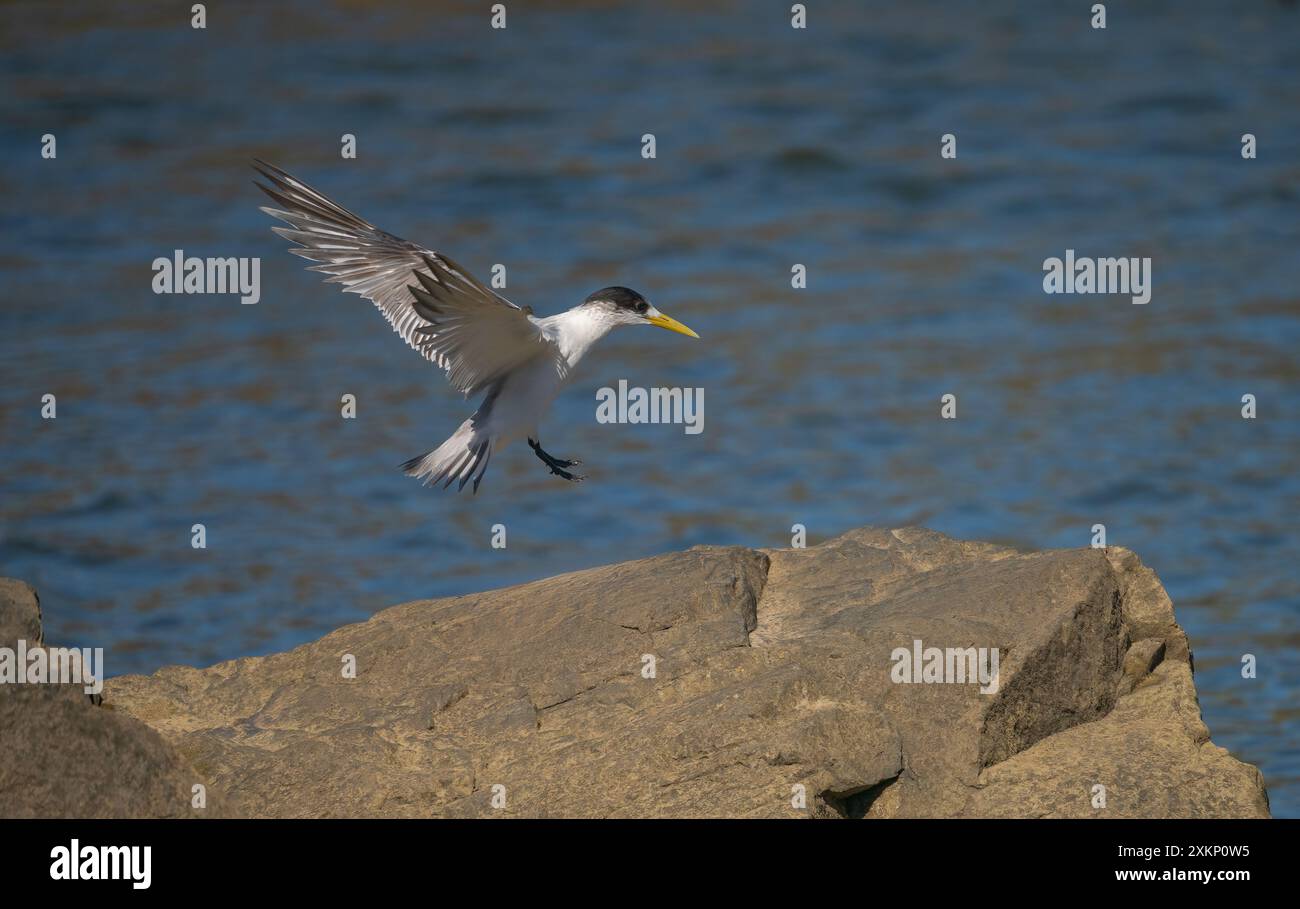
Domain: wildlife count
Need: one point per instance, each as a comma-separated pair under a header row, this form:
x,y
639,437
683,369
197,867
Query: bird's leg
x,y
557,465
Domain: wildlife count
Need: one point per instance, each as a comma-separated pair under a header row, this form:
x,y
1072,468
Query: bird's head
x,y
624,306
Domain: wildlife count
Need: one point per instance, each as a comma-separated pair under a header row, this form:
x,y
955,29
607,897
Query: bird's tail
x,y
462,457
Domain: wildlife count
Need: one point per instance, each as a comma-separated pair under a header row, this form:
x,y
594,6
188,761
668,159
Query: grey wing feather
x,y
476,344
473,333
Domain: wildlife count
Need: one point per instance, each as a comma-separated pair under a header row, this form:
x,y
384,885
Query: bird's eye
x,y
642,307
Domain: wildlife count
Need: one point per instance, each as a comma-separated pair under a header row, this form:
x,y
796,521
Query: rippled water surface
x,y
774,147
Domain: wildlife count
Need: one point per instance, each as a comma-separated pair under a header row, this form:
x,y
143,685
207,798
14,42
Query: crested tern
x,y
480,339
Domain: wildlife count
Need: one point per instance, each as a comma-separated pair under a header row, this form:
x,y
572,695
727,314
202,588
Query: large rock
x,y
64,756
726,682
20,613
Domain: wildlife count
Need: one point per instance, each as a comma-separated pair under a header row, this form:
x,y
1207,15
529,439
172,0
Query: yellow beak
x,y
671,324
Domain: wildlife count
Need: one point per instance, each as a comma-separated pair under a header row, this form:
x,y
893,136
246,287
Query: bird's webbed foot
x,y
557,465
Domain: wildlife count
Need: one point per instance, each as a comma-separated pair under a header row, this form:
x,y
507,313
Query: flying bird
x,y
483,342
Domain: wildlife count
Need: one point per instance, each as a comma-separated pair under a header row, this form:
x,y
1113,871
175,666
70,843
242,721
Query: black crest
x,y
621,297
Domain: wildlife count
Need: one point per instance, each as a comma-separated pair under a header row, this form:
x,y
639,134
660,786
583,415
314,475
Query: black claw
x,y
557,465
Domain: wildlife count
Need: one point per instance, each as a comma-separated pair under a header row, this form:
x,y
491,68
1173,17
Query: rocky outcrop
x,y
61,755
730,682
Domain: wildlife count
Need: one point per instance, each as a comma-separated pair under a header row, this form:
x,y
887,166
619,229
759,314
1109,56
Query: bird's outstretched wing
x,y
438,308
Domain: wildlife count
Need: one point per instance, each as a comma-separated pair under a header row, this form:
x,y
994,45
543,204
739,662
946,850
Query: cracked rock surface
x,y
725,681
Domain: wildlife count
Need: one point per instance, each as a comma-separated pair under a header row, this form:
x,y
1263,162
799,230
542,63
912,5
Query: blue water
x,y
774,147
